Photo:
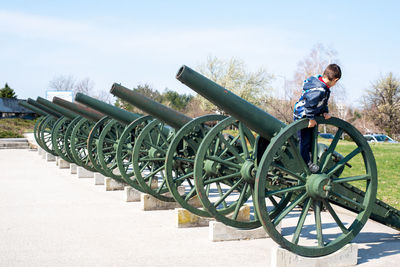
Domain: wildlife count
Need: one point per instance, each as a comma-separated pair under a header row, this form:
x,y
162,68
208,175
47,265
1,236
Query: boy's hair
x,y
332,72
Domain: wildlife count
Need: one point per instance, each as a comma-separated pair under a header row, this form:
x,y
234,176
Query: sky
x,y
137,42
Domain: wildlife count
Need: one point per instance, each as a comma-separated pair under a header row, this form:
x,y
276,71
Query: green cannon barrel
x,y
116,113
254,117
65,112
33,108
44,108
157,110
80,109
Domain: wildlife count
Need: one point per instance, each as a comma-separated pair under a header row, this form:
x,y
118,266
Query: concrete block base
x,y
112,185
57,160
346,256
74,168
131,194
187,219
83,173
50,157
151,203
220,232
62,164
99,178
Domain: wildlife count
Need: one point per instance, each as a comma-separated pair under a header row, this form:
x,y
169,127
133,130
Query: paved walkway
x,y
49,217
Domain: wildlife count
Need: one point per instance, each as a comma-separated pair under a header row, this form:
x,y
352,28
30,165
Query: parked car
x,y
378,138
326,135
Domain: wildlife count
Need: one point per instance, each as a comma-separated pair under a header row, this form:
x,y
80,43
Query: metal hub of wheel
x,y
318,186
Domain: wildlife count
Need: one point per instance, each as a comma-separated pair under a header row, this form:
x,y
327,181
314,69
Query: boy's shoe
x,y
314,168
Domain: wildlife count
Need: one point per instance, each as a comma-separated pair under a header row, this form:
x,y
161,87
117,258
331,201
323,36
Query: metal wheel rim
x,y
92,144
67,138
45,130
186,130
124,150
58,139
358,223
139,152
221,214
79,150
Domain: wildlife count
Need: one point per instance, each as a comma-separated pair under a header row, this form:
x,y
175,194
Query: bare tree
x,y
104,96
232,75
312,64
84,86
62,83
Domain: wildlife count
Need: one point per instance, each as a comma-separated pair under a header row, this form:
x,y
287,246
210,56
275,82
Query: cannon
x,y
39,111
106,135
281,186
65,131
60,131
55,131
78,132
164,151
43,127
50,114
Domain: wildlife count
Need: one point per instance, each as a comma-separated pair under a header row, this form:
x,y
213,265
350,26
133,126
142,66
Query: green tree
x,y
382,104
175,100
7,92
145,90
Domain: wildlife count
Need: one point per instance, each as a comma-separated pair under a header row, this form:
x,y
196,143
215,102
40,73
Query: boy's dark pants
x,y
305,137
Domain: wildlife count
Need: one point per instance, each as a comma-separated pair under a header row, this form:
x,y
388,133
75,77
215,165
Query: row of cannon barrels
x,y
225,162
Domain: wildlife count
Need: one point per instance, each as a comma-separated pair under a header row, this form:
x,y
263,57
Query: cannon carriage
x,y
163,153
278,172
250,158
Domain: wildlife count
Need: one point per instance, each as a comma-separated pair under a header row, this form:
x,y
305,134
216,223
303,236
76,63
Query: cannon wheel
x,y
36,130
57,137
125,148
106,149
224,172
316,191
79,137
92,142
45,130
148,160
67,137
180,161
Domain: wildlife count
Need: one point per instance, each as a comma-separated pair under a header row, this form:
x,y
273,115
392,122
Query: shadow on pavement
x,y
379,245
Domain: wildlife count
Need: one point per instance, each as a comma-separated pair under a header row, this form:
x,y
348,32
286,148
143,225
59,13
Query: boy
x,y
314,102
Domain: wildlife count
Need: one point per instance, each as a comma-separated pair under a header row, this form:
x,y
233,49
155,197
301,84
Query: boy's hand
x,y
327,116
312,123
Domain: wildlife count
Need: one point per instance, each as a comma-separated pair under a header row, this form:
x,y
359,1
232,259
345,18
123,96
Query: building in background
x,y
9,108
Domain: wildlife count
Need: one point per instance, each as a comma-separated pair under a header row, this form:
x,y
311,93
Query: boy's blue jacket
x,y
313,100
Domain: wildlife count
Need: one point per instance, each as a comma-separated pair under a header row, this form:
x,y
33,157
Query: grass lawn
x,y
15,128
387,158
